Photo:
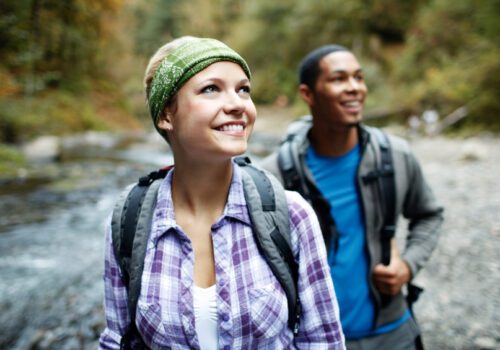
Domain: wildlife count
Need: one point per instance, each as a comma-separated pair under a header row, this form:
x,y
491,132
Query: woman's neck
x,y
201,189
199,194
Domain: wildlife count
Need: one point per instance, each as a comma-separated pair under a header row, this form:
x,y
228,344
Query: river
x,y
51,242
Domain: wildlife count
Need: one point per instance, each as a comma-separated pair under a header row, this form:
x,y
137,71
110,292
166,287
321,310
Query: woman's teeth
x,y
231,127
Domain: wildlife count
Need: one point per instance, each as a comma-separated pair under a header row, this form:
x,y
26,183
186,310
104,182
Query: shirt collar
x,y
164,213
236,206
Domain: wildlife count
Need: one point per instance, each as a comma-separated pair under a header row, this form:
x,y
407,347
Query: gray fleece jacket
x,y
414,201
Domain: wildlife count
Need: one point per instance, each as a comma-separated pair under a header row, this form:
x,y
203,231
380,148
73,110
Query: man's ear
x,y
306,93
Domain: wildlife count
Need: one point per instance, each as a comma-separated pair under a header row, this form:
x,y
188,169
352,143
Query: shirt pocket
x,y
150,325
268,311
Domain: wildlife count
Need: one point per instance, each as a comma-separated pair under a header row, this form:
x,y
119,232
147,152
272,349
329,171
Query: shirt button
x,y
225,318
224,294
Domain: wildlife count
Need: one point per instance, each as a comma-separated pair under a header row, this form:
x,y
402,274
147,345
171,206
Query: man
x,y
359,181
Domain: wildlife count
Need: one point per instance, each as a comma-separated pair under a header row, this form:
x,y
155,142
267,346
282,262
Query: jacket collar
x,y
302,136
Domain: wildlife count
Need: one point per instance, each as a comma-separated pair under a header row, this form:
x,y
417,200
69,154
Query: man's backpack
x,y
268,209
292,171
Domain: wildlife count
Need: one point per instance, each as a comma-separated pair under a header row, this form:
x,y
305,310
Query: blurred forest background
x,y
75,65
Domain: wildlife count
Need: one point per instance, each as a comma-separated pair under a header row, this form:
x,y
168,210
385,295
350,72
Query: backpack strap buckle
x,y
153,176
242,161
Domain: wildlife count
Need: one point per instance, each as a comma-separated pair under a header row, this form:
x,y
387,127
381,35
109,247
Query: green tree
x,y
452,58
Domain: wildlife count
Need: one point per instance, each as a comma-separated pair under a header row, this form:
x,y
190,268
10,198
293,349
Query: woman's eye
x,y
359,78
245,89
209,89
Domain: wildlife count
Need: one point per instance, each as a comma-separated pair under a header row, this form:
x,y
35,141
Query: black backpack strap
x,y
387,178
292,171
131,226
268,209
389,186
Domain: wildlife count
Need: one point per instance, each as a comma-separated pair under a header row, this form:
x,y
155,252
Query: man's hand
x,y
390,279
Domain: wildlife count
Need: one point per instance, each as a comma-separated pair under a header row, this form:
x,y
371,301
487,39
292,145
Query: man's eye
x,y
209,89
360,78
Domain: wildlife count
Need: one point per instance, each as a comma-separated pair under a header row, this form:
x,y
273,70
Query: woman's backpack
x,y
268,208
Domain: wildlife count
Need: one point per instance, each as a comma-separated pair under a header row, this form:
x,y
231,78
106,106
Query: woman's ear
x,y
165,121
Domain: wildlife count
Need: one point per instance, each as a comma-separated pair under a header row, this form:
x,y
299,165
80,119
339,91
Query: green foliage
x,y
275,35
55,43
158,21
53,113
64,63
11,159
444,69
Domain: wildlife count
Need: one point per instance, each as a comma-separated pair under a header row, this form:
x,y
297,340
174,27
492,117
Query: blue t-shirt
x,y
336,179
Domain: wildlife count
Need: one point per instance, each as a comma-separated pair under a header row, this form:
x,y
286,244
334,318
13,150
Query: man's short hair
x,y
309,67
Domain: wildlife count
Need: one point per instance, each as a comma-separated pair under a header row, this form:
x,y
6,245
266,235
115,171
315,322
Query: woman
x,y
205,284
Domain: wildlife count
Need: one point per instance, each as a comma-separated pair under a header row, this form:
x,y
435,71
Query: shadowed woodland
x,y
76,65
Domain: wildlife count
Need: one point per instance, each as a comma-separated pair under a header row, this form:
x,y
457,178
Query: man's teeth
x,y
352,104
232,127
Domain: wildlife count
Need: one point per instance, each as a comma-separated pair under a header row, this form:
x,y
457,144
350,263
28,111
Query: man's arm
x,y
425,217
390,279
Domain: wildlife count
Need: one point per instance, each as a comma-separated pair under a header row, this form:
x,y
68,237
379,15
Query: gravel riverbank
x,y
460,308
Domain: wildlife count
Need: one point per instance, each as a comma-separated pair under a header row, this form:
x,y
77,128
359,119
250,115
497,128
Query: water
x,y
52,244
51,252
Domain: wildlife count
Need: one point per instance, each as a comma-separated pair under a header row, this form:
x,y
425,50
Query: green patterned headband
x,y
182,64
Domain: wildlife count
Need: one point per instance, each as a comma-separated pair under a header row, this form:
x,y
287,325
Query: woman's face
x,y
213,114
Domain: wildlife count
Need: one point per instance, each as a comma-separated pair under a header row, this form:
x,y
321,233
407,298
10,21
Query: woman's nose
x,y
233,103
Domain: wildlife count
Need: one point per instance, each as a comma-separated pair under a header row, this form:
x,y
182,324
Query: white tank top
x,y
205,313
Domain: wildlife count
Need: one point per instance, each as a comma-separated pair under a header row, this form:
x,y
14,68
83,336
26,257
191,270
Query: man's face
x,y
339,92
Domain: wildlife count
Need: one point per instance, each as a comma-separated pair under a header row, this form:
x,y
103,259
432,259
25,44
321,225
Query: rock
x,y
485,343
473,150
90,139
43,148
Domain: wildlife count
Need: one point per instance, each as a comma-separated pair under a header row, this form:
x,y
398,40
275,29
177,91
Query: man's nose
x,y
353,84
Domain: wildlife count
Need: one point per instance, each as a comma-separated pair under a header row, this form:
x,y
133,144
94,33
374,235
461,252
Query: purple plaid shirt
x,y
251,305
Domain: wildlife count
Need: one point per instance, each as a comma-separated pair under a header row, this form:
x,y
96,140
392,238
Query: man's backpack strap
x,y
386,174
268,209
387,178
389,186
288,157
287,163
131,226
294,179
